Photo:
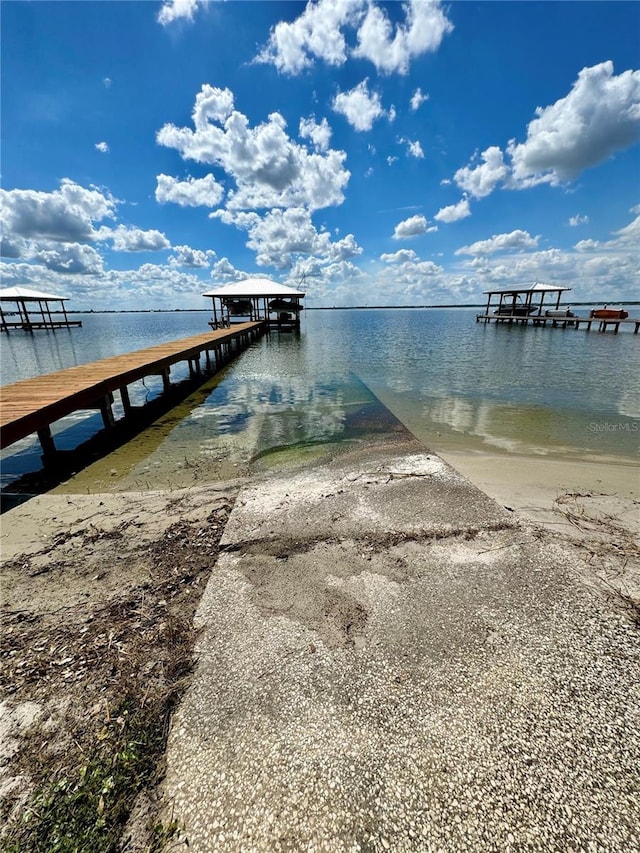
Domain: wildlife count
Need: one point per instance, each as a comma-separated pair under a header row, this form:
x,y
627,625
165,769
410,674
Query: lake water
x,y
450,380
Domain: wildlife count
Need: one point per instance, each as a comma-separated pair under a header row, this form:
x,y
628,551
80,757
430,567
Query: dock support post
x,y
126,401
107,412
166,382
46,443
194,366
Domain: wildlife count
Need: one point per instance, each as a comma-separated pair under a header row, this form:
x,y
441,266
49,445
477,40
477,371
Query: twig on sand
x,y
612,549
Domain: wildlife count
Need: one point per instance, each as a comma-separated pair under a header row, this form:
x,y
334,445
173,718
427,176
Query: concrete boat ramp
x,y
389,661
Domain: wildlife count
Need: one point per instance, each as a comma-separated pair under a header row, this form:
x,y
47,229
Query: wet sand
x,y
532,486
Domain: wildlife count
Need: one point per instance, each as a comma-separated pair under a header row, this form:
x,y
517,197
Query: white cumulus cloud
x,y
359,106
173,10
415,149
392,48
135,239
317,33
185,256
326,28
269,168
194,192
412,227
224,272
103,147
479,181
319,134
454,212
578,220
406,272
70,258
280,236
51,230
603,276
399,257
627,237
417,99
515,241
599,116
68,214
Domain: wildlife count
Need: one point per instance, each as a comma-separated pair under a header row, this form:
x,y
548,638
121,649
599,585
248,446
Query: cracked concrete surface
x,y
390,661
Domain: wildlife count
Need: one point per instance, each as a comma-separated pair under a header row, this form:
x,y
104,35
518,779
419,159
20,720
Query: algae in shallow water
x,y
348,412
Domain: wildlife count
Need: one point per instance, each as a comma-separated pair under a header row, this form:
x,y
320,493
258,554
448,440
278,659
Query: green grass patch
x,y
86,809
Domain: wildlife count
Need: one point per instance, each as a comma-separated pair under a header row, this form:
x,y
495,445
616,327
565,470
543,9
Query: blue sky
x,y
382,153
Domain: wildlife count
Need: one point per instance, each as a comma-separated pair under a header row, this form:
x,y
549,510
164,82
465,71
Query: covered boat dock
x,y
517,305
256,299
33,311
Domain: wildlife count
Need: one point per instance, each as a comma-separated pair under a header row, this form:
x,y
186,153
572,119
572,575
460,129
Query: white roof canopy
x,y
253,287
24,294
538,287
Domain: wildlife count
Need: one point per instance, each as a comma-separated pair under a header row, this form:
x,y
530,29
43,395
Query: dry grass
x,y
107,684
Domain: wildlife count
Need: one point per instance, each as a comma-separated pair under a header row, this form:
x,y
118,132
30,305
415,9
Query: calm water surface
x,y
518,389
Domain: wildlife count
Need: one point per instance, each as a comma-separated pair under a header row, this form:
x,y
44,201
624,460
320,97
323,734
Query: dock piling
x,y
106,411
46,443
126,401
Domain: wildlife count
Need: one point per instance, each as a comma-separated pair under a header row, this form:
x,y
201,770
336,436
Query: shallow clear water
x,y
449,379
533,389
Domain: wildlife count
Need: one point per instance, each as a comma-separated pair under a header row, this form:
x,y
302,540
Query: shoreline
x,y
523,474
525,479
109,581
323,308
531,485
527,483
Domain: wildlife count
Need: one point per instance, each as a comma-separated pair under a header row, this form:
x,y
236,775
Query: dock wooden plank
x,y
32,404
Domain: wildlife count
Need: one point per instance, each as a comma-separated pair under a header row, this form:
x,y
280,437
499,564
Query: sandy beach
x,y
532,485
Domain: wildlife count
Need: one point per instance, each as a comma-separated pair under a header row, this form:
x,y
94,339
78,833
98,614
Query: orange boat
x,y
608,314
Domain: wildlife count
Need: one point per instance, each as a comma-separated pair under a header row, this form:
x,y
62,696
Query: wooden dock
x,y
32,405
561,322
31,325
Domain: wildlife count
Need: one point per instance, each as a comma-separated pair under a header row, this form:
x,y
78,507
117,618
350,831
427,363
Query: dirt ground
x,y
98,596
